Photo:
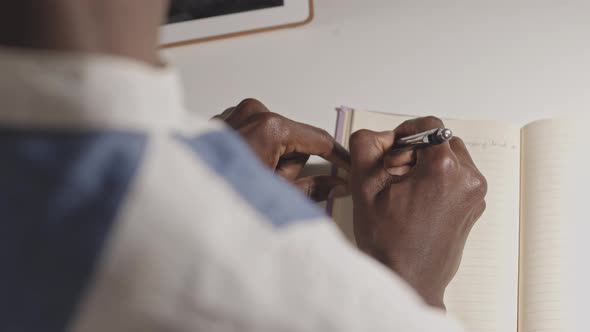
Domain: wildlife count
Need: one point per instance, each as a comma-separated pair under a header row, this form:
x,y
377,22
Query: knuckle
x,y
325,135
482,185
270,125
408,123
360,136
458,145
477,184
457,140
250,103
443,164
269,120
431,121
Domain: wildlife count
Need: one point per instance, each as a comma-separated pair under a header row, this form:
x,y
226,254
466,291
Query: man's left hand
x,y
285,146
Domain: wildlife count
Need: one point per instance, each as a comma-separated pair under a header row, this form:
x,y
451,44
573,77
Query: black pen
x,y
418,141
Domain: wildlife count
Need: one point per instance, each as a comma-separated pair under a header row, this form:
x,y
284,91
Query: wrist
x,y
436,301
432,296
430,293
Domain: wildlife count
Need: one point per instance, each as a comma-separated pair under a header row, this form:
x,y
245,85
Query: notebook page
x,y
483,295
550,253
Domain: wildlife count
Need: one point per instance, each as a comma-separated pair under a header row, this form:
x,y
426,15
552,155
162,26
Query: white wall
x,y
515,60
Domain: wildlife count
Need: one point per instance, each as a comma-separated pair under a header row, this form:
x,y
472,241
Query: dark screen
x,y
188,10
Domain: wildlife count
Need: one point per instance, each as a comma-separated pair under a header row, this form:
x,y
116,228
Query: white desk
x,y
495,59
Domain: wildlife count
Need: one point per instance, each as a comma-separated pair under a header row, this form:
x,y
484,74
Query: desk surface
x,y
516,60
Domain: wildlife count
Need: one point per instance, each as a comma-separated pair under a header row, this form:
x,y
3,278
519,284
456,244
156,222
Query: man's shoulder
x,y
60,193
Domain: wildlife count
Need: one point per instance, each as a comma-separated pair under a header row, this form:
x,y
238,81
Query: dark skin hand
x,y
285,147
413,211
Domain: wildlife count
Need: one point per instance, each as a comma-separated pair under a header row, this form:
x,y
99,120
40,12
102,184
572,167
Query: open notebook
x,y
511,277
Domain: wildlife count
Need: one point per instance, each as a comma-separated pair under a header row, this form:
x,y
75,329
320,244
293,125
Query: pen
x,y
422,140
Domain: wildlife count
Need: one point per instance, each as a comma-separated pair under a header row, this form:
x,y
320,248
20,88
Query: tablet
x,y
200,20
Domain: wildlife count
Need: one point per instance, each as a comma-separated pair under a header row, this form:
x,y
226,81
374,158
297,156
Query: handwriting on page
x,y
488,143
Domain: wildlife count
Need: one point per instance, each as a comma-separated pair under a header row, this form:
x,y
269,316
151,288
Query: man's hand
x,y
285,146
413,211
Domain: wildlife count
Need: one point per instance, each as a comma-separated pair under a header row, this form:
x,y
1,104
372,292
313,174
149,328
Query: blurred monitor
x,y
188,10
198,20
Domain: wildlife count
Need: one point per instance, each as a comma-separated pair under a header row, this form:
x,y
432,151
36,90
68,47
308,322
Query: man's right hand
x,y
414,210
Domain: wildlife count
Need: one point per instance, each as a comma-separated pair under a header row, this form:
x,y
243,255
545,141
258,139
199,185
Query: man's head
x,y
119,27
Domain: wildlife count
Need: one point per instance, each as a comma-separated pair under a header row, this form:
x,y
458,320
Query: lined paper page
x,y
550,153
483,295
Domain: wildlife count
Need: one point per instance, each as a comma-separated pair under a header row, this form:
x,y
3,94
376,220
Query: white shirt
x,y
123,212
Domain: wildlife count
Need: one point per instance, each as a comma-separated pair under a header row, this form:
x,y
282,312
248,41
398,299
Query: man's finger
x,y
461,151
225,114
306,139
368,149
418,125
398,170
290,167
245,109
398,159
320,188
426,156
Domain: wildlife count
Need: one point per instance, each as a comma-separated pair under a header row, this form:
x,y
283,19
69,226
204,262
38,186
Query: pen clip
x,y
420,138
425,139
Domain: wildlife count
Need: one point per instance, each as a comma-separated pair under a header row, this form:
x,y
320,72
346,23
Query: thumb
x,y
323,187
368,150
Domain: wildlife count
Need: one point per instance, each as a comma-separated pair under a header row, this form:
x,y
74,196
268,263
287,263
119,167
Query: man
x,y
122,212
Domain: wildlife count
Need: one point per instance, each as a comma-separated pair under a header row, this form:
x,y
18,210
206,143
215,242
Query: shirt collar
x,y
39,88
